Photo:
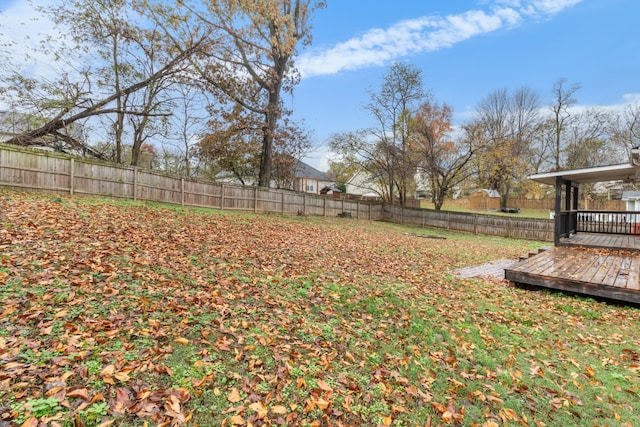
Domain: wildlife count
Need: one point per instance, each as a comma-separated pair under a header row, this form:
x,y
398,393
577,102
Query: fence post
x,y
448,221
71,176
282,202
324,206
181,191
475,224
135,183
222,197
255,199
509,228
304,203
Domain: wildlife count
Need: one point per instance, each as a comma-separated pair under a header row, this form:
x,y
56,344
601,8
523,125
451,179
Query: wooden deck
x,y
603,241
603,273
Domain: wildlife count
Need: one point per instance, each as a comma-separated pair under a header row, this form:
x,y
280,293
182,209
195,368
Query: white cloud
x,y
429,33
552,7
631,98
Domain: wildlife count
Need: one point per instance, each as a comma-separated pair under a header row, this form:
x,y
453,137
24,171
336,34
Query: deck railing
x,y
609,222
567,224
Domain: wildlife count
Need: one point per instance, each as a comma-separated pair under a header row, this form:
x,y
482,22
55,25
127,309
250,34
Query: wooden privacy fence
x,y
53,172
38,170
600,205
493,225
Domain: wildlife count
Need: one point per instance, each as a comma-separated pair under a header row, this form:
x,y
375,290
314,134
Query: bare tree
x,y
625,128
392,108
505,127
588,143
563,101
188,125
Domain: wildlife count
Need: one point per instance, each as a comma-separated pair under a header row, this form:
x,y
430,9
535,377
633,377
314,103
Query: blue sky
x,y
466,49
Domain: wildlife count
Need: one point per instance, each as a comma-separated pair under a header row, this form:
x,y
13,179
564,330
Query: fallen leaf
x,y
30,422
323,385
260,408
80,393
234,396
237,420
279,409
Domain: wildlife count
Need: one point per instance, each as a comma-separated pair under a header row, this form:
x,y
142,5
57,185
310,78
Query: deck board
x,y
603,241
611,274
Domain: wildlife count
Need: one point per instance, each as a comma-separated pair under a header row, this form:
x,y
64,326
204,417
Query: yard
x,y
129,314
463,206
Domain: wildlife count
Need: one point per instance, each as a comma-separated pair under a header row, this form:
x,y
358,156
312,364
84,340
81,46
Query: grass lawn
x,y
463,206
130,314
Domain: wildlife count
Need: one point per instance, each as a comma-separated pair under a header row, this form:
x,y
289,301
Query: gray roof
x,y
303,170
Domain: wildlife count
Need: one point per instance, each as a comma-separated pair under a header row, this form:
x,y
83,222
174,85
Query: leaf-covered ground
x,y
121,313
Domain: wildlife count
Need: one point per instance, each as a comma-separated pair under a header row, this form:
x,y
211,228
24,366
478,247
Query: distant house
x,y
308,179
633,200
361,184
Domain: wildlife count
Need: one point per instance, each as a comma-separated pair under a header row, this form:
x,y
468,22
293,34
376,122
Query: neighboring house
x,y
633,200
613,190
361,184
301,177
308,179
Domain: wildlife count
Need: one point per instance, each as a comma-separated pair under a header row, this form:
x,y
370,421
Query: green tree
x,y
341,172
563,100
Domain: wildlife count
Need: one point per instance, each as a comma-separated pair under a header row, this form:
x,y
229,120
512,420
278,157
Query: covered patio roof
x,y
623,172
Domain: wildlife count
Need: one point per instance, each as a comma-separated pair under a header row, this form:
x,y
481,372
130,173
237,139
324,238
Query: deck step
x,y
534,253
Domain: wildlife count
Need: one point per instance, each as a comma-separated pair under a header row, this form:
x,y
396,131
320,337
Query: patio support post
x,y
567,197
558,215
574,208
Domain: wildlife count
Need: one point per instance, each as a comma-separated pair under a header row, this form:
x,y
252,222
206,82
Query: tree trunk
x,y
266,155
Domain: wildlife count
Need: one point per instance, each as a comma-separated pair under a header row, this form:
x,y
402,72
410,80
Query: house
x,y
308,179
633,200
362,184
